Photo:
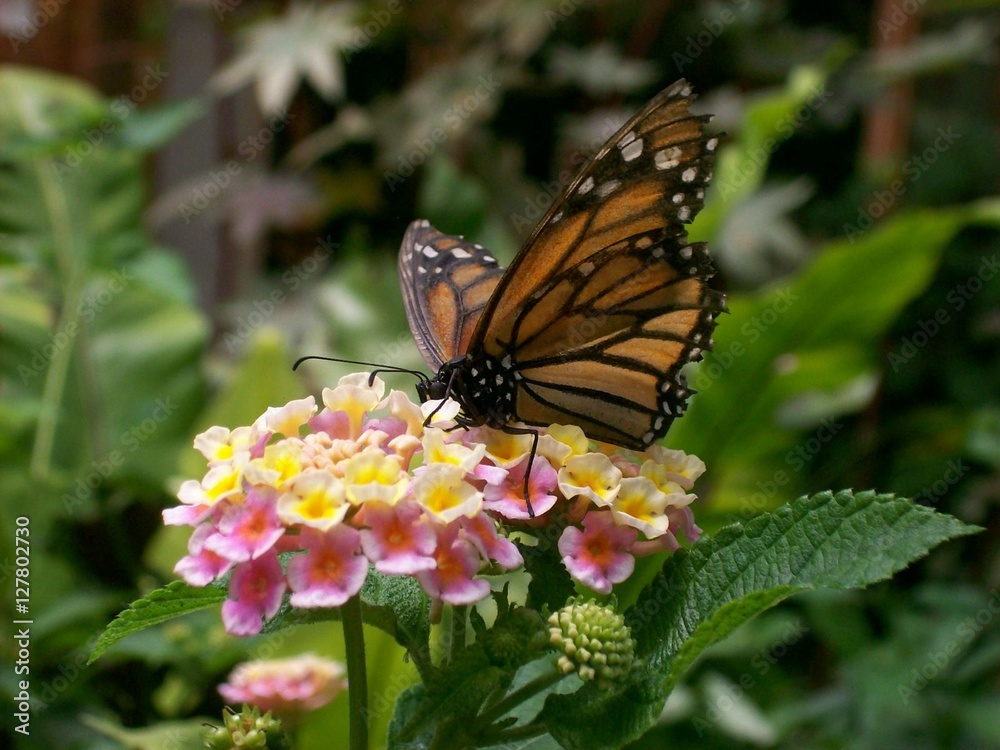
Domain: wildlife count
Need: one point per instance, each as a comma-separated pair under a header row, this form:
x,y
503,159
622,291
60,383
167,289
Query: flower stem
x,y
357,674
459,614
519,696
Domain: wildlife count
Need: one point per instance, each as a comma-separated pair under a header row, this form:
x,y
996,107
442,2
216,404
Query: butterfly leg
x,y
531,459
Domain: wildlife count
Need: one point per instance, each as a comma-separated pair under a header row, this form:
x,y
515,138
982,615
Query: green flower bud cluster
x,y
247,730
594,640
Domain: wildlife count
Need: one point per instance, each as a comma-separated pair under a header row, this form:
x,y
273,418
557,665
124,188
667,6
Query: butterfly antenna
x,y
371,378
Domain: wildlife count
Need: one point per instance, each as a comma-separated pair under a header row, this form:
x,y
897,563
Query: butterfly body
x,y
484,386
600,310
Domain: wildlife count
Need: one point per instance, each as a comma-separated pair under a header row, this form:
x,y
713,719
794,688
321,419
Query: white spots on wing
x,y
606,188
438,269
557,216
686,252
648,438
665,386
678,198
711,143
667,158
695,354
489,259
699,194
684,213
658,424
587,268
689,174
686,91
461,253
587,186
657,252
631,150
428,251
421,269
507,362
627,139
498,380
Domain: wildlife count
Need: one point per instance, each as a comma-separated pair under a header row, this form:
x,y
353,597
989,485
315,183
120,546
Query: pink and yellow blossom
x,y
285,686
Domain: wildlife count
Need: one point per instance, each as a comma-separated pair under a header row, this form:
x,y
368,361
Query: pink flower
x,y
202,566
255,591
507,498
331,572
398,540
598,556
336,424
285,686
457,562
482,532
248,530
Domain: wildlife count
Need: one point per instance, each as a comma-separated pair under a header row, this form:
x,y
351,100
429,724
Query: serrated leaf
x,y
173,600
702,594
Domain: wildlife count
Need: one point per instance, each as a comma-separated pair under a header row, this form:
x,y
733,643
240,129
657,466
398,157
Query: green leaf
x,y
703,593
173,600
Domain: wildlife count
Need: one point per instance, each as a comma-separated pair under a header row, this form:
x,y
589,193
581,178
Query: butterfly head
x,y
432,390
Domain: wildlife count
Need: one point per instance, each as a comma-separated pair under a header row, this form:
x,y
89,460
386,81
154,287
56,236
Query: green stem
x,y
459,615
357,674
502,707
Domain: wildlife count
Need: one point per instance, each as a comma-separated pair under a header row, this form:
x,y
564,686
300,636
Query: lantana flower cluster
x,y
285,686
382,481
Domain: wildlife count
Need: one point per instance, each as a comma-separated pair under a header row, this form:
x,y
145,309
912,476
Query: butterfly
x,y
599,311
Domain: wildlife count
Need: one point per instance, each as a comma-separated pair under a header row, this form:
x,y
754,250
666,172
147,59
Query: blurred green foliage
x,y
861,351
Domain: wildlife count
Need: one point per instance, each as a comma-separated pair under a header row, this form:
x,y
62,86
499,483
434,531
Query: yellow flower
x,y
281,462
316,499
666,481
372,475
443,491
437,450
286,420
219,444
354,397
642,505
504,449
684,468
591,475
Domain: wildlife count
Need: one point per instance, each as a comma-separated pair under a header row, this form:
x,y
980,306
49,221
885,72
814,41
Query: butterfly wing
x,y
446,284
607,300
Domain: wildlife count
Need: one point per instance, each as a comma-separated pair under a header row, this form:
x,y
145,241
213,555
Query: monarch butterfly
x,y
601,308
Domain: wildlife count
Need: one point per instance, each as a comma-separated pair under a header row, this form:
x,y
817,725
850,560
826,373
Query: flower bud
x,y
594,640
